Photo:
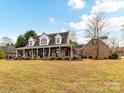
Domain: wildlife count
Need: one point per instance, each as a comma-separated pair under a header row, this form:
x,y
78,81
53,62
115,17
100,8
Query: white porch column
x,y
24,53
71,52
49,53
37,53
16,53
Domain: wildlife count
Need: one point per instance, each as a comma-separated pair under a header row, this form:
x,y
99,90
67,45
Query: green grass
x,y
88,76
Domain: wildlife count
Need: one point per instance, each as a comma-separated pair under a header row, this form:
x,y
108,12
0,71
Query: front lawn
x,y
88,76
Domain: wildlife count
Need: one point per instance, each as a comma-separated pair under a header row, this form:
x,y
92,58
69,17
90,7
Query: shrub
x,y
85,57
96,57
76,57
19,58
27,58
58,58
90,57
10,57
52,58
45,58
66,58
2,55
15,58
113,56
105,57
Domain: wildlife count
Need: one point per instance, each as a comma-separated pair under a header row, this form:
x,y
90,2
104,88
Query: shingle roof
x,y
78,46
64,36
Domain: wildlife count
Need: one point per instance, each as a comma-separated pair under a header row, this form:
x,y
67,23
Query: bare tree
x,y
122,29
5,41
95,30
113,43
72,37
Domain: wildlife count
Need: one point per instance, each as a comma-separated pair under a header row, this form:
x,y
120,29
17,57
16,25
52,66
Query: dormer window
x,y
43,41
58,40
30,43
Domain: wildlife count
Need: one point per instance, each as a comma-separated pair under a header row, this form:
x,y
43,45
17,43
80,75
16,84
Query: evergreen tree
x,y
22,40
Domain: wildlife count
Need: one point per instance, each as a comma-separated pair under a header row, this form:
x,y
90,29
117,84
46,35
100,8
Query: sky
x,y
50,16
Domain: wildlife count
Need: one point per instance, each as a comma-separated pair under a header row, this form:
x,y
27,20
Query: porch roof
x,y
45,46
79,47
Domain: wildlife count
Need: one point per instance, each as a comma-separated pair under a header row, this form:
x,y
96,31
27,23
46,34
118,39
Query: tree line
x,y
22,40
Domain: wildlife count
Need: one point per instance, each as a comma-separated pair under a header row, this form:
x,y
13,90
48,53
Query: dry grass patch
x,y
88,76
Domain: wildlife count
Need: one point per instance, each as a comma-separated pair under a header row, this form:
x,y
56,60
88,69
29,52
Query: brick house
x,y
59,45
89,51
9,51
47,46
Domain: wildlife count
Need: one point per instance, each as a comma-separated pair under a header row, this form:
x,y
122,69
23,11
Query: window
x,y
30,43
58,40
44,41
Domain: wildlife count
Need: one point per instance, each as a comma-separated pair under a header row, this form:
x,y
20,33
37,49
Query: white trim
x,y
31,40
60,40
46,46
58,36
44,36
68,38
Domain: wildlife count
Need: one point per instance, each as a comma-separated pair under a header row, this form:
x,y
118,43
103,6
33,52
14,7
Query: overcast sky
x,y
18,16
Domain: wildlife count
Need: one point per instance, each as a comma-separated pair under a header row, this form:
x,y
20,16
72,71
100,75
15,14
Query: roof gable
x,y
31,39
78,47
64,36
44,35
92,41
58,36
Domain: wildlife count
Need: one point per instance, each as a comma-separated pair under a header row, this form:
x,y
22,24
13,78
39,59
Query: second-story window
x,y
30,43
58,40
43,41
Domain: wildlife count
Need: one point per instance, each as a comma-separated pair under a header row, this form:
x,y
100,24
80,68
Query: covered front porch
x,y
57,51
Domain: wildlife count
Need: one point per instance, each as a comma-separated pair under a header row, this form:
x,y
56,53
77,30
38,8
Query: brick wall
x,y
89,50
